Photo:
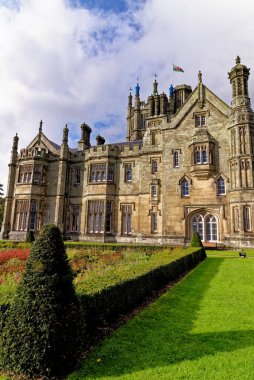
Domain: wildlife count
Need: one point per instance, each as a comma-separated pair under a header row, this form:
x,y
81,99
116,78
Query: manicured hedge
x,y
106,305
112,246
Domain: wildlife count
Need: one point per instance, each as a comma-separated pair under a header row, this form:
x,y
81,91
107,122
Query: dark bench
x,y
242,254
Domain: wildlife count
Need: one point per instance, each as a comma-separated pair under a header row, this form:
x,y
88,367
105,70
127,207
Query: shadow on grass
x,y
162,333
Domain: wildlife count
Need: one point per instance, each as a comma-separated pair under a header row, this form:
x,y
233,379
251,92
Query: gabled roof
x,y
208,97
41,141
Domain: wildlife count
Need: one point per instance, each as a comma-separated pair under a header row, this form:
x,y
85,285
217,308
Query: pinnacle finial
x,y
238,60
40,128
200,76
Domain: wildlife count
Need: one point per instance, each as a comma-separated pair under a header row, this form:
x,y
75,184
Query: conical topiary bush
x,y
196,241
44,327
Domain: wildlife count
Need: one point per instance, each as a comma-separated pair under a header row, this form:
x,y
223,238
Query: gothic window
x,y
126,219
77,176
221,190
176,159
233,142
128,172
154,222
154,191
109,213
33,215
247,218
154,166
111,172
21,215
204,156
236,218
37,177
198,225
242,133
74,219
95,217
184,188
197,156
211,226
25,173
98,173
200,120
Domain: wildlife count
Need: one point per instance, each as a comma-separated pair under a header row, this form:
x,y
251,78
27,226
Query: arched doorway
x,y
206,225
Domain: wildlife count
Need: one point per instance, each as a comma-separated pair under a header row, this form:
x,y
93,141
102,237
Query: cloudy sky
x,y
73,61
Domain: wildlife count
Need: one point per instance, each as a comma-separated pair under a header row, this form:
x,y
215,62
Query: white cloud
x,y
69,65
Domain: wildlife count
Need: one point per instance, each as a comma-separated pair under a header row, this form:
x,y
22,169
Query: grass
x,y
230,252
200,329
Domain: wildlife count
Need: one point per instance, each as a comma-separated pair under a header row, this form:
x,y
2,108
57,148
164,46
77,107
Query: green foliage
x,y
44,326
112,300
196,241
30,237
200,329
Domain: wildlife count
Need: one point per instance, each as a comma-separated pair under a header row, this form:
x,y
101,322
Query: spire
x,y
65,135
137,88
171,91
15,143
155,87
201,92
40,128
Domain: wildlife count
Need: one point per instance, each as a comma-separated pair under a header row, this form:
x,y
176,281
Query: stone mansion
x,y
187,165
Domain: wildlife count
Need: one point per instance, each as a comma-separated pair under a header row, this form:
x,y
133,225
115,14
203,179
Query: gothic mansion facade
x,y
187,165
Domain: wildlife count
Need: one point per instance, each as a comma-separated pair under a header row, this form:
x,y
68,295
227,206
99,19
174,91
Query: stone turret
x,y
10,189
129,113
137,114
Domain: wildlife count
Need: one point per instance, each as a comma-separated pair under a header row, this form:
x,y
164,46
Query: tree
x,y
196,241
45,326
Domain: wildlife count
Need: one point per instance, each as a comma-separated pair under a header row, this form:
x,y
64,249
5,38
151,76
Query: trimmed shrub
x,y
107,305
30,237
196,241
44,327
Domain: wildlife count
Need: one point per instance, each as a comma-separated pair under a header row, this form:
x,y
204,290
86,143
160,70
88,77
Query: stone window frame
x,y
154,222
200,119
247,211
185,179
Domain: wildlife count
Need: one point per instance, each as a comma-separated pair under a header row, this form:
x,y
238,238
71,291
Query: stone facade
x,y
187,165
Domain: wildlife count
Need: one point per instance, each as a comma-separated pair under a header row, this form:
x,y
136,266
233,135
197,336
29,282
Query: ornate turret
x,y
6,225
239,76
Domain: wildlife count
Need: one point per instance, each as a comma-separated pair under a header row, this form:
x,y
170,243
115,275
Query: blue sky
x,y
70,61
116,6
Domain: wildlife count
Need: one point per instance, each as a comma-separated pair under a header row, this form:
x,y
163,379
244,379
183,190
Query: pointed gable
x,y
42,142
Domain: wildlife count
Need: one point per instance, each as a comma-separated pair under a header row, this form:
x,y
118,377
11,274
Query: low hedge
x,y
112,301
100,247
108,304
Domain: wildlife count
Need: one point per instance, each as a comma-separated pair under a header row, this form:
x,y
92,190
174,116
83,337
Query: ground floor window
x,y
126,219
154,222
74,219
21,215
97,222
206,226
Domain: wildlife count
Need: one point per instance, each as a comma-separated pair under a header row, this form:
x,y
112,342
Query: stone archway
x,y
206,223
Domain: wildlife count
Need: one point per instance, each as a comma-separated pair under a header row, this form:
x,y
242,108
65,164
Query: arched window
x,y
221,186
197,156
211,228
184,187
198,225
204,156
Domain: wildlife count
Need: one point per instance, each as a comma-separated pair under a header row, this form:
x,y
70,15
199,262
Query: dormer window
x,y
200,120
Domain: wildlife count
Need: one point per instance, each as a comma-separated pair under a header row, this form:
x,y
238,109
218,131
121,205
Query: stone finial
x,y
40,128
200,76
15,142
238,60
155,87
65,134
130,98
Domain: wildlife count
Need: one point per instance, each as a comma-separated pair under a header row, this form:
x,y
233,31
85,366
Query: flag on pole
x,y
177,68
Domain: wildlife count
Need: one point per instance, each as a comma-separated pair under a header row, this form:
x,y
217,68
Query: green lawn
x,y
200,329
